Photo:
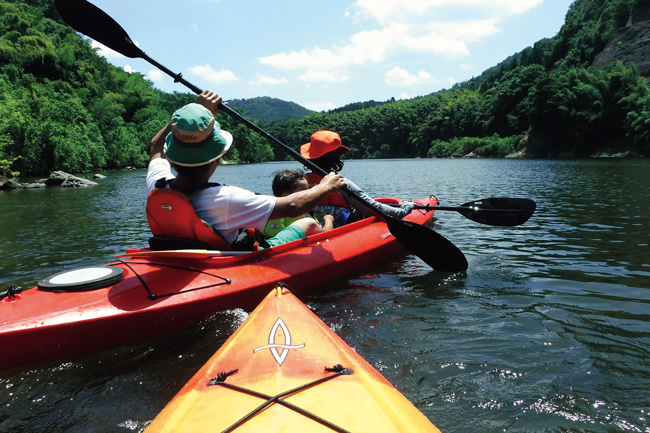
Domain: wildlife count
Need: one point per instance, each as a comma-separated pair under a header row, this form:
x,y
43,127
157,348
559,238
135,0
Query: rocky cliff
x,y
630,44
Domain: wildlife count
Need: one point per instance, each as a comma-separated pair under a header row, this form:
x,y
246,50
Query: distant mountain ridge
x,y
269,110
583,92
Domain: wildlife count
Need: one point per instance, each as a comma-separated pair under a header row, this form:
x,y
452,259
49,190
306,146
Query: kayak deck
x,y
164,292
285,370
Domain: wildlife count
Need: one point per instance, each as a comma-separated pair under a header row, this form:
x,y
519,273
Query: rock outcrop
x,y
630,44
57,178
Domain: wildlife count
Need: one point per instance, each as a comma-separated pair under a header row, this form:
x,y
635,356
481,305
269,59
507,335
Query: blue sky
x,y
326,54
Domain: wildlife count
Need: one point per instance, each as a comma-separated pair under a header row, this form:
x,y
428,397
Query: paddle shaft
x,y
178,78
462,209
431,247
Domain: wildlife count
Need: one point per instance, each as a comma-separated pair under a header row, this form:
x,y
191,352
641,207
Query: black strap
x,y
154,296
337,370
11,292
250,240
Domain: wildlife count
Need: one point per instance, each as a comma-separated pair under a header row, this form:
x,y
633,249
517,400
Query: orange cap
x,y
323,142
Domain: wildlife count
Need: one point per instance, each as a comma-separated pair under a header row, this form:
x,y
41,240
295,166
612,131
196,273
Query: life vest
x,y
273,227
331,199
175,224
333,204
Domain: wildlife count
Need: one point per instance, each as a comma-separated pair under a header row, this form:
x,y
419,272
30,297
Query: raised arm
x,y
301,202
158,143
207,98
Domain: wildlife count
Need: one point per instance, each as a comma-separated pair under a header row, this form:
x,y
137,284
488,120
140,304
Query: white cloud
x,y
317,58
400,77
261,80
155,75
312,76
320,106
440,28
103,50
128,69
107,52
389,11
364,47
206,72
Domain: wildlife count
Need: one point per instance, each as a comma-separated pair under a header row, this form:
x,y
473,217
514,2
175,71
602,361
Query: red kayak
x,y
284,370
146,294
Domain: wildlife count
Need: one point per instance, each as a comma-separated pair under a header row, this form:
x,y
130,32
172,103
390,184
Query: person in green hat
x,y
193,143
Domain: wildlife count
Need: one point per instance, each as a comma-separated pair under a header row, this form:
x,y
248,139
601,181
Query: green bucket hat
x,y
196,138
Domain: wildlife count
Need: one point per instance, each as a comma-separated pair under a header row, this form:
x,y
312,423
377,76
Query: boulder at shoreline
x,y
57,178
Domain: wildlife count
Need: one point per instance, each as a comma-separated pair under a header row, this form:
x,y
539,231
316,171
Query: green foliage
x,y
268,110
358,106
547,93
62,106
493,146
577,112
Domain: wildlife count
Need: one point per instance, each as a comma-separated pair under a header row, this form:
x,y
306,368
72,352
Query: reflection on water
x,y
548,330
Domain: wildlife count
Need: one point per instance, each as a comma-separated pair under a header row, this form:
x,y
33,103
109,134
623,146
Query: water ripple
x,y
548,330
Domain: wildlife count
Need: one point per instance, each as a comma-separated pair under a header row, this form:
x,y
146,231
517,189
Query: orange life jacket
x,y
175,225
331,199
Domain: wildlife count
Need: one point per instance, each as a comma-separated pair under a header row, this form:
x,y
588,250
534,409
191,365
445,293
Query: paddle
x,y
431,247
505,212
184,254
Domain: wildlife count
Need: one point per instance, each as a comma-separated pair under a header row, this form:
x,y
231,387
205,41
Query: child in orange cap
x,y
325,149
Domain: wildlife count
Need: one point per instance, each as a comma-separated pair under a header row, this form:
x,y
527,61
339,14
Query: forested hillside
x,y
64,107
544,101
269,110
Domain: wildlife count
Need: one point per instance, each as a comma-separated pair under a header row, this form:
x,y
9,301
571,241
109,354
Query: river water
x,y
548,330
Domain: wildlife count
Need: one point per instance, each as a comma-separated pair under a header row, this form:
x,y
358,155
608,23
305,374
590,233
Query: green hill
x,y
64,107
580,93
268,110
552,99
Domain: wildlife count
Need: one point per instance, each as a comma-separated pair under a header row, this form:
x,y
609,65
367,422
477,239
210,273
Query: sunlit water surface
x,y
548,330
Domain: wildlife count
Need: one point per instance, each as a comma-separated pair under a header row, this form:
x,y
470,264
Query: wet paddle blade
x,y
506,212
88,19
434,249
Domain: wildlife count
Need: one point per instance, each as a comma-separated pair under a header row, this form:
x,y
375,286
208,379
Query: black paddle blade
x,y
93,22
434,249
507,212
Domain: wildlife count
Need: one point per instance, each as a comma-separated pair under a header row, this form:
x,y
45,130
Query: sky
x,y
327,54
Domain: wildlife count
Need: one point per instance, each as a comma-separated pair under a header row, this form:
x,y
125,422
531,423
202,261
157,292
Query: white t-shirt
x,y
226,208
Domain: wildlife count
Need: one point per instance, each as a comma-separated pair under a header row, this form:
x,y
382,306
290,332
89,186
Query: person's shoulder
x,y
242,193
232,189
158,168
159,163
